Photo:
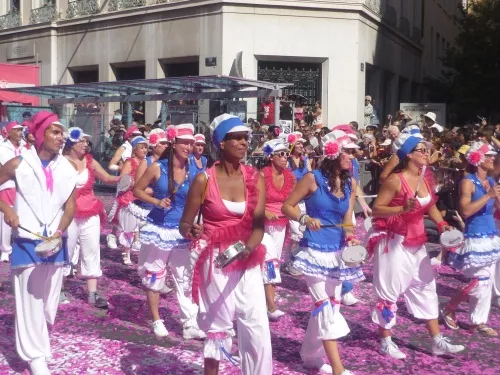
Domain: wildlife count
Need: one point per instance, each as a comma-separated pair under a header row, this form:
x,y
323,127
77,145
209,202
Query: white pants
x,y
84,242
37,292
407,272
239,293
128,225
480,294
152,270
326,322
274,239
496,281
5,236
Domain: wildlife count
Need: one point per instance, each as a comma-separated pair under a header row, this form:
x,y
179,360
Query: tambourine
x,y
231,254
48,248
354,255
368,223
125,183
452,240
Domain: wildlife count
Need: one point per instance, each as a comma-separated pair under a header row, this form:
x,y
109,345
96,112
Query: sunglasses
x,y
423,151
163,143
236,137
282,153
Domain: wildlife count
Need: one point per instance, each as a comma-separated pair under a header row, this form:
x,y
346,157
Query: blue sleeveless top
x,y
299,173
138,202
193,167
355,169
329,209
482,223
171,217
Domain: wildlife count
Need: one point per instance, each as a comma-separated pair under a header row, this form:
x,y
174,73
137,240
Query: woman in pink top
x,y
233,210
279,184
401,265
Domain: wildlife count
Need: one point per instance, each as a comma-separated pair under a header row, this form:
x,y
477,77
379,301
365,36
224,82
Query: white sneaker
x,y
136,246
126,259
159,328
165,290
4,257
193,333
444,346
63,298
319,365
347,372
111,241
38,366
392,350
348,299
274,316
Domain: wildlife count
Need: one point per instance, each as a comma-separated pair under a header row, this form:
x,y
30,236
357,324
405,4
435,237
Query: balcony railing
x,y
404,26
10,20
78,8
47,13
125,4
374,5
390,15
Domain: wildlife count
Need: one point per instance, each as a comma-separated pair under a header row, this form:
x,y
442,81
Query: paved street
x,y
118,341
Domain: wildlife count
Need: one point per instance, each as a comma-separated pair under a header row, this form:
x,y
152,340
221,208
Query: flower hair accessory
x,y
477,153
277,131
475,158
292,138
331,150
75,134
267,150
171,133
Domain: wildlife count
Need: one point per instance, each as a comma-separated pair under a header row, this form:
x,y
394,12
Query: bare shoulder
x,y
393,181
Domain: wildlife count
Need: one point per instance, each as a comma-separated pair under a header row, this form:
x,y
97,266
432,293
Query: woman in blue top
x,y
477,258
329,200
160,237
198,162
159,143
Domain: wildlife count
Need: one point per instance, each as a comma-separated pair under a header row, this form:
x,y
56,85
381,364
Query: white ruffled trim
x,y
325,264
160,237
476,252
212,348
271,228
331,323
138,211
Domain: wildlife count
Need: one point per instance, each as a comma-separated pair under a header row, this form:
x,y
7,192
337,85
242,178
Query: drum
x,y
48,248
354,255
368,223
231,254
452,240
125,183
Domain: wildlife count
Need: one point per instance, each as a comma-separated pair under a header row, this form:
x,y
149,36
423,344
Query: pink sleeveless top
x,y
222,228
87,204
410,224
125,198
274,196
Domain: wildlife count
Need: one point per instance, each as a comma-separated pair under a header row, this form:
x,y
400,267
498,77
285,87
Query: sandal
x,y
484,330
449,321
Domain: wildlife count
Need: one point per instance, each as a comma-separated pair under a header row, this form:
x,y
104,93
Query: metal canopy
x,y
178,88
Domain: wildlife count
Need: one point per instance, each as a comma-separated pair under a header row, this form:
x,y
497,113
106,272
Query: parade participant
x,y
159,143
479,194
127,225
45,203
9,149
122,153
161,242
85,230
279,183
231,197
198,162
398,238
28,138
328,196
299,165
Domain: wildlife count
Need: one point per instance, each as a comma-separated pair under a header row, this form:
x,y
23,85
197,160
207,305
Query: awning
x,y
20,76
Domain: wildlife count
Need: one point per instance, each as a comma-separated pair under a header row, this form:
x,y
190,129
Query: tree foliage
x,y
472,67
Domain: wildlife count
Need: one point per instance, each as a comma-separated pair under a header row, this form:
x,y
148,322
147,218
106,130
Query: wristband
x,y
302,219
59,231
441,226
113,167
350,238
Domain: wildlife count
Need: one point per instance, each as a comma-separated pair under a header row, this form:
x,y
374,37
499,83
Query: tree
x,y
471,72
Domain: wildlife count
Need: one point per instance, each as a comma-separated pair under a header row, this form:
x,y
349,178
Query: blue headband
x,y
224,128
138,140
408,146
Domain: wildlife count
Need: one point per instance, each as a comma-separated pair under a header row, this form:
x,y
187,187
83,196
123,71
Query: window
x,y
14,5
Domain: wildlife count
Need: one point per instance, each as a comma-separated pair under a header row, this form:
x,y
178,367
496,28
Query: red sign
x,y
12,75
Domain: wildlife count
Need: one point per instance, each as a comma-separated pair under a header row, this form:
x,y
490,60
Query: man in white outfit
x,y
41,175
9,149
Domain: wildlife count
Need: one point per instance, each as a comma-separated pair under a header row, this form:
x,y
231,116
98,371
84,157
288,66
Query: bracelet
x,y
350,238
302,219
59,231
441,226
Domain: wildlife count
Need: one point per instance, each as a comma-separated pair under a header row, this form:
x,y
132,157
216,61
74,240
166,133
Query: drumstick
x,y
336,225
420,179
34,234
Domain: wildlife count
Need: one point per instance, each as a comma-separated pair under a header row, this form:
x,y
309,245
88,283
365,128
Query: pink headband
x,y
182,132
41,121
199,138
155,138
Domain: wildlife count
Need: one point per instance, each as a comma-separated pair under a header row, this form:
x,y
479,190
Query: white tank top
x,y
82,178
424,200
237,208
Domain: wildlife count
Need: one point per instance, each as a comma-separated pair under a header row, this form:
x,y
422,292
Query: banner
x,y
12,75
417,111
